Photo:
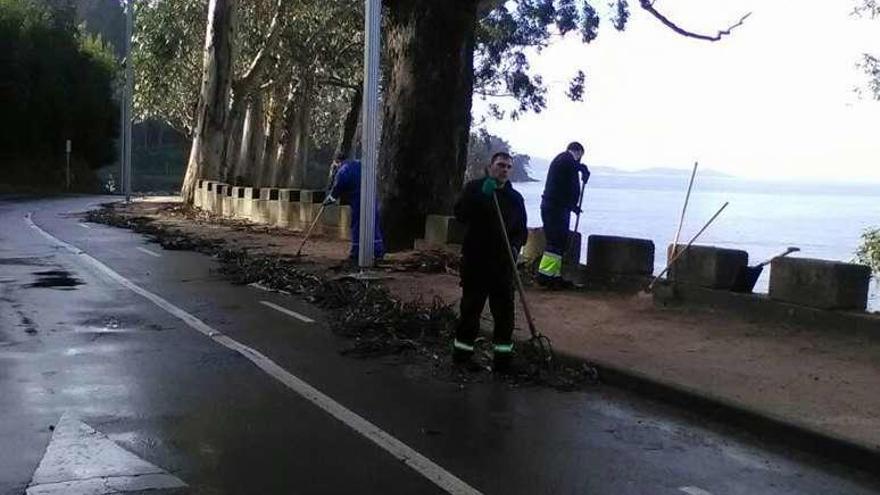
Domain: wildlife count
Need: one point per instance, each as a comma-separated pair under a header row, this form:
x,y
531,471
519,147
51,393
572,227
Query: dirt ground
x,y
826,380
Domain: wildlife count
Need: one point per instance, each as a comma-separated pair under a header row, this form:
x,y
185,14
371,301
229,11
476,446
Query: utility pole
x,y
127,110
68,148
370,138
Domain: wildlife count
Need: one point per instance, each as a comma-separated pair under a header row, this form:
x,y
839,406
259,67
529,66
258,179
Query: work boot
x,y
545,281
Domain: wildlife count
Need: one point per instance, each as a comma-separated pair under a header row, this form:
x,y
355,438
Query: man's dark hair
x,y
575,146
340,157
500,154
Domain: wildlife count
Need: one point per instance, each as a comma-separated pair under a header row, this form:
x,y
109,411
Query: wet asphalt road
x,y
75,341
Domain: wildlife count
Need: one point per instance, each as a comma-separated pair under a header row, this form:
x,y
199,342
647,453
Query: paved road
x,y
153,373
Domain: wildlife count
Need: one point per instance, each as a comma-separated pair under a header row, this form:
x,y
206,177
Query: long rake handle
x,y
684,208
519,285
311,228
688,246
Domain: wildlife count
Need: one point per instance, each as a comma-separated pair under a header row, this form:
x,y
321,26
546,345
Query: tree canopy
x,y
56,83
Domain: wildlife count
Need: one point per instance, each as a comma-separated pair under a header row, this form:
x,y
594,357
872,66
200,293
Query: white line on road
x,y
84,226
424,466
145,250
288,312
692,490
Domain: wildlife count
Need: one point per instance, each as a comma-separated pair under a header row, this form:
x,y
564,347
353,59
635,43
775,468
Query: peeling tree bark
x,y
209,140
427,112
350,127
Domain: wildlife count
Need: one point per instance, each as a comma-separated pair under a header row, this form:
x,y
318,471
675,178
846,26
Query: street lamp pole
x,y
370,138
129,90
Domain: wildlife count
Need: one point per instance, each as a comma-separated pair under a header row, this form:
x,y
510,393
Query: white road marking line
x,y
288,312
424,466
145,250
692,490
84,226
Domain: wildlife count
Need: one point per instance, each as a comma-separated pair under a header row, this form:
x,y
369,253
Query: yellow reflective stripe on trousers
x,y
551,265
457,344
503,348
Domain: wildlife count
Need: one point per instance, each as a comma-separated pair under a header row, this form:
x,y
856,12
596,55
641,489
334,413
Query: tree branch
x,y
649,6
248,80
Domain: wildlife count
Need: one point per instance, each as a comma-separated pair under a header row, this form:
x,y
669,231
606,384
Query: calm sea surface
x,y
763,218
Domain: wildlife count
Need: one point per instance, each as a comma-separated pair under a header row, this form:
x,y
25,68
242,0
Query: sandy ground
x,y
826,380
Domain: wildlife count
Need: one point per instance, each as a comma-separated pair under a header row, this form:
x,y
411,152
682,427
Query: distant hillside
x,y
539,167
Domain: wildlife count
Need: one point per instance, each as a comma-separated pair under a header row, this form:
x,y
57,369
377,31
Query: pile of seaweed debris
x,y
363,310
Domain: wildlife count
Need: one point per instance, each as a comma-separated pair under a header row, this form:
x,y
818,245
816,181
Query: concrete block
x,y
273,203
260,208
228,201
209,195
219,196
820,283
708,266
287,198
441,230
244,202
612,255
290,216
336,221
199,196
237,202
536,243
309,205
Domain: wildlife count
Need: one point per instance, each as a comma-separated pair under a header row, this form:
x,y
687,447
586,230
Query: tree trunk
x,y
273,125
207,153
427,112
350,126
303,131
252,136
234,139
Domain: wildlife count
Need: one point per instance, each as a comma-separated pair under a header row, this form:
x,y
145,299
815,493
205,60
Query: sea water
x,y
824,220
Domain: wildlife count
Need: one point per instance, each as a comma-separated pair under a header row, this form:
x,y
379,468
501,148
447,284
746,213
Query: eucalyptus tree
x,y
438,52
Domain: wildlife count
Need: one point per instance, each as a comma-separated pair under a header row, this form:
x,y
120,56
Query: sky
x,y
774,100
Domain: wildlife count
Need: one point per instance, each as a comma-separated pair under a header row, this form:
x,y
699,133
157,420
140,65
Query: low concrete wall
x,y
288,209
336,221
228,201
208,196
199,195
217,196
443,229
758,307
612,255
820,283
708,266
260,208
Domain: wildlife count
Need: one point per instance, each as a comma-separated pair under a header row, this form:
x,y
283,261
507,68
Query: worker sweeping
x,y
486,271
347,188
563,193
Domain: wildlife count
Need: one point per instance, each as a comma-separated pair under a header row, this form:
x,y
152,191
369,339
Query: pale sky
x,y
774,100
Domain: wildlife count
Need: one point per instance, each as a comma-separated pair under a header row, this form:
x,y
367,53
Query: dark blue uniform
x,y
485,266
560,199
347,187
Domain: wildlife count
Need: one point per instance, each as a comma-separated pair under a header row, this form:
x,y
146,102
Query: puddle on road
x,y
55,279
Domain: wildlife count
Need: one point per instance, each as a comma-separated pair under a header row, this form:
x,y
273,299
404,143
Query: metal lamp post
x,y
370,138
126,102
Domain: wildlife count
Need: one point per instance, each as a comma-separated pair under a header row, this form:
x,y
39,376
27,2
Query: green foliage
x,y
56,83
869,251
501,65
870,63
167,54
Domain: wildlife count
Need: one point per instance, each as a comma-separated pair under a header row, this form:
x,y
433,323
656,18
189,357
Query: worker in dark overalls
x,y
561,195
347,188
486,271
